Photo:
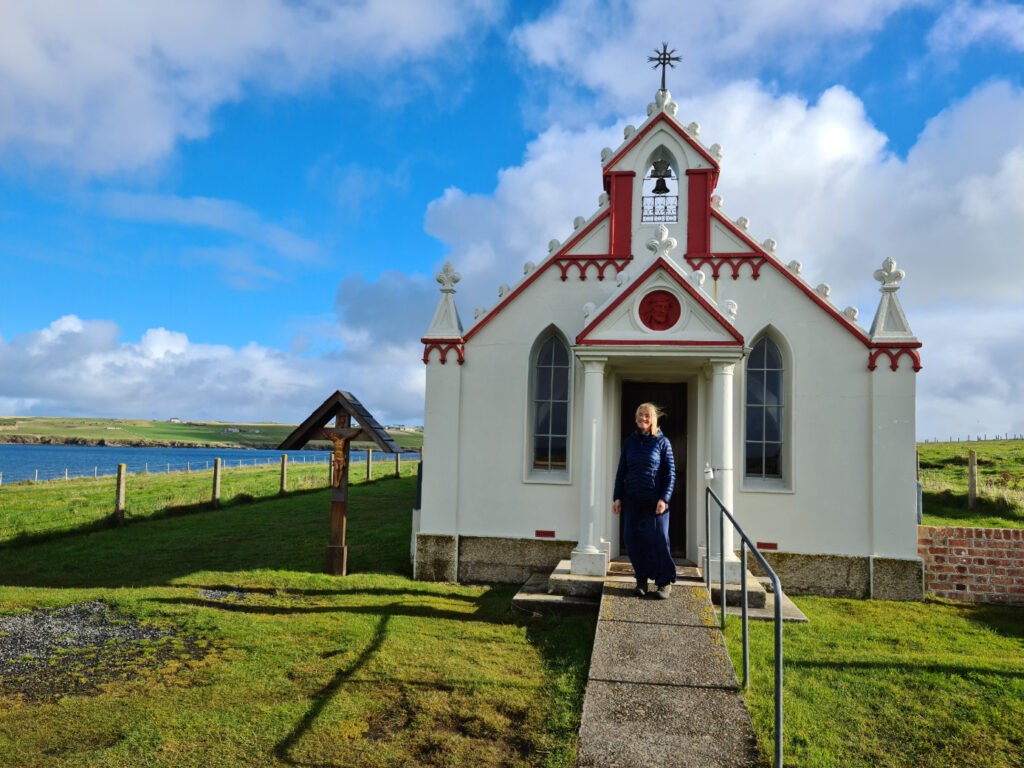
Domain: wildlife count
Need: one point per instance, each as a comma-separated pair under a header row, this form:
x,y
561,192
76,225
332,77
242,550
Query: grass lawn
x,y
277,664
1000,502
873,684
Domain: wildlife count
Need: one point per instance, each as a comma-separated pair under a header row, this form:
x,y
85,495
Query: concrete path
x,y
662,691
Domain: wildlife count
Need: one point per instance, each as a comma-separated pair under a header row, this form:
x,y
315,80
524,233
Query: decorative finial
x,y
664,58
448,277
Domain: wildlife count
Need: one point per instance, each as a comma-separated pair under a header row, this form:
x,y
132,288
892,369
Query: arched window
x,y
661,188
765,417
551,374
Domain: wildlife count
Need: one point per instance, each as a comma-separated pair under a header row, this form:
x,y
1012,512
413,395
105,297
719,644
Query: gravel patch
x,y
51,653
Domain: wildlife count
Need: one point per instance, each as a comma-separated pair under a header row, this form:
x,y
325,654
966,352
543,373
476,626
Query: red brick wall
x,y
976,565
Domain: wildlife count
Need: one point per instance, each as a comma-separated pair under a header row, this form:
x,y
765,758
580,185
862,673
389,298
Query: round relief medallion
x,y
659,310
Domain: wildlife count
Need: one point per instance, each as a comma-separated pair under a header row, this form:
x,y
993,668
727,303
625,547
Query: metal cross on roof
x,y
664,58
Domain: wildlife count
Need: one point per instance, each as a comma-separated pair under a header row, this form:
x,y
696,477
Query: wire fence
x,y
30,510
97,471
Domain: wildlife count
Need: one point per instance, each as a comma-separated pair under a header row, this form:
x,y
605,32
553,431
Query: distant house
x,y
175,420
805,416
232,430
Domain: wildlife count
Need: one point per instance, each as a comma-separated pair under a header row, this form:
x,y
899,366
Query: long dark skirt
x,y
646,540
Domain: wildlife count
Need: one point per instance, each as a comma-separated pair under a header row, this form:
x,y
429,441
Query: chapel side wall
x,y
434,542
894,483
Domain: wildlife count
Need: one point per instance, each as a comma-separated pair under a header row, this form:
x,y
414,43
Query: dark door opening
x,y
671,398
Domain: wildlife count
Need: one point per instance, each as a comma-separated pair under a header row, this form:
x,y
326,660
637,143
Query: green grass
x,y
1000,502
150,432
372,669
876,684
29,511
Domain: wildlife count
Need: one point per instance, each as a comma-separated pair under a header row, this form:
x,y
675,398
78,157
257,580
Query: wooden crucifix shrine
x,y
352,422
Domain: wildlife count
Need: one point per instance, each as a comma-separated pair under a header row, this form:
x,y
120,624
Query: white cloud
x,y
82,367
110,87
966,24
594,43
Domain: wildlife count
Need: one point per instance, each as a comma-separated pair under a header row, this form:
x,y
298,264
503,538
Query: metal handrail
x,y
776,590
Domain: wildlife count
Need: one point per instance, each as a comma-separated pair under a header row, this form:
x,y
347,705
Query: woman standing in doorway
x,y
643,486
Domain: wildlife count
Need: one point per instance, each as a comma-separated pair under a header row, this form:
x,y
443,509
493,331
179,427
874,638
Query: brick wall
x,y
976,565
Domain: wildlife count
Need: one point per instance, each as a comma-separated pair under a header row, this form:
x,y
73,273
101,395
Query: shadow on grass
x,y
951,670
952,505
324,696
287,533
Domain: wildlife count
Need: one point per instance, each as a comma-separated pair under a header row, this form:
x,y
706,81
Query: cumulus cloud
x,y
719,42
816,177
104,88
82,367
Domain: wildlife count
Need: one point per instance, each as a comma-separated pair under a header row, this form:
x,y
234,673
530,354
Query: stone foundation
x,y
435,558
486,559
846,576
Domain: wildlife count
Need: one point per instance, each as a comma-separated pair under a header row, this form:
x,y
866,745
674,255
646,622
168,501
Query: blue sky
x,y
209,214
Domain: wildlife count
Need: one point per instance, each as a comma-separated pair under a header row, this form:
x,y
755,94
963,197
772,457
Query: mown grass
x,y
30,511
372,669
873,684
944,478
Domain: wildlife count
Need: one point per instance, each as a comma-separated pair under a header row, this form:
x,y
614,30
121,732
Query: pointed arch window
x,y
765,412
551,379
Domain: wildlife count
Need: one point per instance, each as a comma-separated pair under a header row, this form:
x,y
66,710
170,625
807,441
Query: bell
x,y
660,187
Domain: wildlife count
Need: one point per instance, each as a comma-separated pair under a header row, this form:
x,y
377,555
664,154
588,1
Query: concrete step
x,y
535,596
757,595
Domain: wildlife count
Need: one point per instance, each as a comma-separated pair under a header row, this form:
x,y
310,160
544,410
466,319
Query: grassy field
x,y
276,664
144,432
34,510
1000,483
873,684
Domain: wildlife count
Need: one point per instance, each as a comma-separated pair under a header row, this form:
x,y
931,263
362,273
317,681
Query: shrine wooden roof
x,y
340,403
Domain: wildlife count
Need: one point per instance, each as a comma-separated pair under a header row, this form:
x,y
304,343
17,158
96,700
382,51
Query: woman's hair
x,y
656,413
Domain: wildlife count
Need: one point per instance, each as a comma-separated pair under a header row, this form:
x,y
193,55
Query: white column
x,y
722,462
587,558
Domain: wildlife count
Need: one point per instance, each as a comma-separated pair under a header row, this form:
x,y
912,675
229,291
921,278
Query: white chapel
x,y
804,417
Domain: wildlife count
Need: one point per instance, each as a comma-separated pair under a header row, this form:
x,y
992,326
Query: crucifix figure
x,y
665,58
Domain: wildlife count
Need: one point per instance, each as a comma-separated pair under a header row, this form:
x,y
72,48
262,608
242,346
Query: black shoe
x,y
641,588
663,591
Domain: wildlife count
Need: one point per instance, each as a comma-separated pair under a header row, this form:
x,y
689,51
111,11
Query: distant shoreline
x,y
104,443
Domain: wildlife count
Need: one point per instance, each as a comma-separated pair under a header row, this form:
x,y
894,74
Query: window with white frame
x,y
765,411
552,370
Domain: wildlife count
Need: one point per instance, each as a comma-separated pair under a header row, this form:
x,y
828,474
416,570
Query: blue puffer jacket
x,y
647,468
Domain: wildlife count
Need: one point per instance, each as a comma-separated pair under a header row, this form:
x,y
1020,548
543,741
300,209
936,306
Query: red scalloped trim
x,y
443,348
583,263
894,354
734,260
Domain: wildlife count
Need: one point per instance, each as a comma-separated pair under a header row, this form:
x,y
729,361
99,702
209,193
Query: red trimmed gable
x,y
662,264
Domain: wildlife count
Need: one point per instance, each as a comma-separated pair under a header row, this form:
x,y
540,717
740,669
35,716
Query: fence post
x,y
369,464
284,474
215,501
398,463
119,497
972,478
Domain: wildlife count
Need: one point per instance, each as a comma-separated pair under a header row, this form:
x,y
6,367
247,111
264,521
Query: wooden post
x,y
337,549
119,497
398,464
369,464
215,500
284,474
972,478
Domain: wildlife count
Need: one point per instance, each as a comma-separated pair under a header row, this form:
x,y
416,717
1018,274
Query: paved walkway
x,y
662,691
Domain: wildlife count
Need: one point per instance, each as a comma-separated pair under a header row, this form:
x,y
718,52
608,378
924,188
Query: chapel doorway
x,y
671,398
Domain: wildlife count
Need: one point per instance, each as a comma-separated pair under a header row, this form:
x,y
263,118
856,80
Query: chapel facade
x,y
804,418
